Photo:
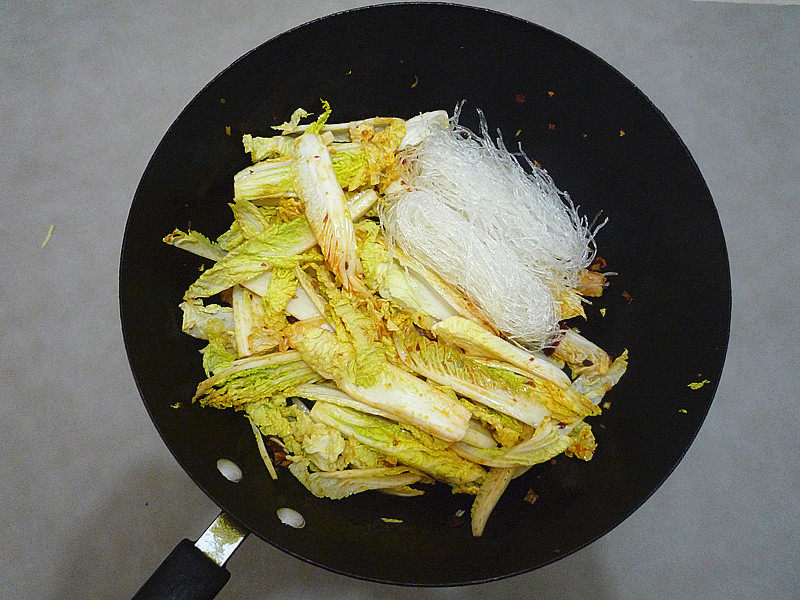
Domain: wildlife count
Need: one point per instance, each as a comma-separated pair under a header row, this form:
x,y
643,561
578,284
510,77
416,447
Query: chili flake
x,y
597,264
552,126
551,94
519,98
416,81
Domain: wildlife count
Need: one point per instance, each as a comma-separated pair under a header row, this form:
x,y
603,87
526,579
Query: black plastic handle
x,y
186,574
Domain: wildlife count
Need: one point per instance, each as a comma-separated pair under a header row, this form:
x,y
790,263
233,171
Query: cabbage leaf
x,y
476,340
254,378
282,245
528,399
344,483
548,441
416,450
196,243
388,388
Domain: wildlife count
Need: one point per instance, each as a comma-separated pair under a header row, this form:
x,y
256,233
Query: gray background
x,y
91,500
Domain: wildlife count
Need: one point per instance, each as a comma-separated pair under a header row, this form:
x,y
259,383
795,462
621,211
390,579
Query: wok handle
x,y
186,574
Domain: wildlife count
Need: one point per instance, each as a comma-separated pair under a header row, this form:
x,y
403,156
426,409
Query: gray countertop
x,y
92,500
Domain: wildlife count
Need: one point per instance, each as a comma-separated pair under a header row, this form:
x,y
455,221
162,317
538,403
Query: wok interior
x,y
600,139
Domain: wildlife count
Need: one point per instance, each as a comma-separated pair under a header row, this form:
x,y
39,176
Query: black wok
x,y
599,137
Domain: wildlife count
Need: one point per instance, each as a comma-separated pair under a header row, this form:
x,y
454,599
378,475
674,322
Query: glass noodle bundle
x,y
509,239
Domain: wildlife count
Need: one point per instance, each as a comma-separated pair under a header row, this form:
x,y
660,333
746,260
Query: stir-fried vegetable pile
x,y
364,367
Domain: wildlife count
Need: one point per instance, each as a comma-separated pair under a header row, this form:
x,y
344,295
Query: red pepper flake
x,y
621,133
457,520
597,264
519,98
263,264
551,94
250,170
530,383
532,358
395,442
316,156
552,461
416,81
552,126
628,297
531,496
227,130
